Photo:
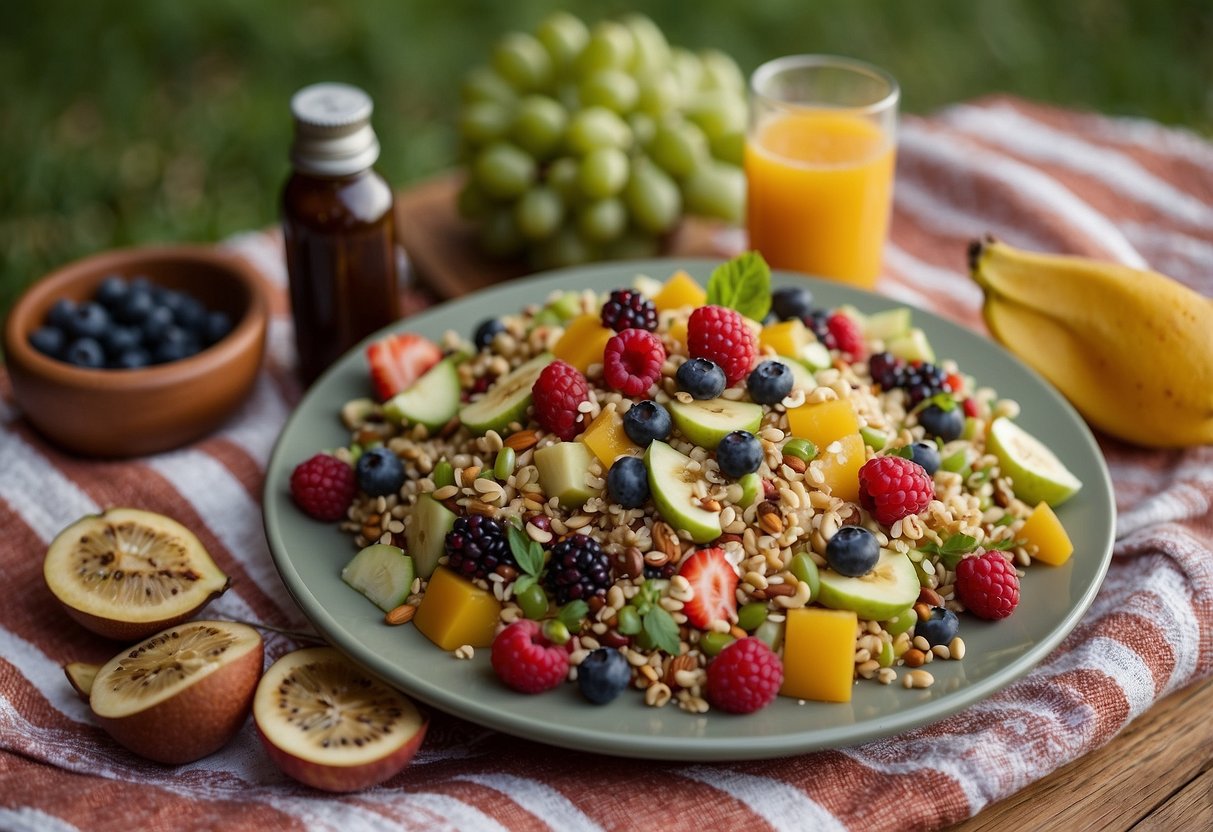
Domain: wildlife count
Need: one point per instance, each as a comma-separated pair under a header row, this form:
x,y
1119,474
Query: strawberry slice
x,y
398,360
715,583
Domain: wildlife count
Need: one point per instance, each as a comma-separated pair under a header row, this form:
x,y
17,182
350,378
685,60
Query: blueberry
x,y
135,306
702,378
791,302
60,315
190,314
169,351
946,424
85,352
940,628
738,454
132,359
817,321
603,675
852,551
156,323
380,472
88,320
628,481
769,382
48,340
111,292
926,454
119,339
646,421
486,332
216,327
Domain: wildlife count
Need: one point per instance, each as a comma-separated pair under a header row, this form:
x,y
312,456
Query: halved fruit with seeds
x,y
81,676
506,401
181,694
126,573
328,723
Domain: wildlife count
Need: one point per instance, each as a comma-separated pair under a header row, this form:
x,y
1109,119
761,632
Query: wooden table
x,y
1156,775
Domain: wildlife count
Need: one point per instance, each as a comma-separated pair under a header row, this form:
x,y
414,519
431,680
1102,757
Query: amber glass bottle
x,y
338,227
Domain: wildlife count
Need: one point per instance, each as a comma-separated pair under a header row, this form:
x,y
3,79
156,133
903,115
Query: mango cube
x,y
824,422
583,342
841,470
1043,530
819,654
679,291
606,438
454,612
787,338
678,330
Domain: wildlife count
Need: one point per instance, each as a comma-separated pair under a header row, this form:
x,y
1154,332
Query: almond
x,y
401,614
665,539
682,662
795,463
522,440
769,518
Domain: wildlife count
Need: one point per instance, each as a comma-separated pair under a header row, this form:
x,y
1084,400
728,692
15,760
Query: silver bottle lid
x,y
333,133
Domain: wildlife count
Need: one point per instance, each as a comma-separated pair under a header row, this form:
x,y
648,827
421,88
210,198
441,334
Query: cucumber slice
x,y
881,594
913,346
815,356
431,400
382,573
671,485
562,470
425,533
506,401
887,325
707,422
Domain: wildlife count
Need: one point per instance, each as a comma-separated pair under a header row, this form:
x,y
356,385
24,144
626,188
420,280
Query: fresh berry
x,y
791,302
603,675
174,345
526,661
954,382
739,453
891,488
323,487
847,335
86,353
398,360
48,340
132,359
379,472
578,569
745,677
971,408
721,335
626,309
940,628
926,454
646,421
660,573
631,362
476,545
921,381
216,326
117,339
556,394
818,322
769,382
852,551
714,581
702,378
885,369
987,585
157,322
89,320
136,305
946,423
61,314
486,332
628,481
111,292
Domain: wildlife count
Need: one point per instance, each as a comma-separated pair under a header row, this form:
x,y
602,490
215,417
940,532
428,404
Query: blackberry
x,y
476,546
922,381
626,309
885,369
819,322
578,569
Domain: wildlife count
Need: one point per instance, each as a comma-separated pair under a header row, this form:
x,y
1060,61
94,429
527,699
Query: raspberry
x,y
476,545
721,335
848,336
556,394
745,677
626,309
578,569
987,585
892,487
526,661
324,487
632,361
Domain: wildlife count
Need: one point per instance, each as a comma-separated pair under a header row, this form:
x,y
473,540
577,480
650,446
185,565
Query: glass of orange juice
x,y
819,160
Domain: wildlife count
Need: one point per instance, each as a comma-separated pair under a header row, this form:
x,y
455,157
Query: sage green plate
x,y
309,556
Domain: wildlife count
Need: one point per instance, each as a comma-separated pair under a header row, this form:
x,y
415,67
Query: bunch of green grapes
x,y
585,143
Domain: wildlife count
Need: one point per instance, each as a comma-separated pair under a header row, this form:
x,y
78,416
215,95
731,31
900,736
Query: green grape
x,y
652,197
568,96
503,170
717,113
632,245
472,202
610,46
720,72
643,127
688,69
563,35
499,235
610,88
481,122
539,213
659,93
602,220
652,50
679,147
561,176
729,147
539,124
597,127
716,190
483,84
603,172
521,59
564,248
534,602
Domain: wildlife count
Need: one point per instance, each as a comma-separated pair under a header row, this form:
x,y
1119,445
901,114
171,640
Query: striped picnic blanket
x,y
1036,176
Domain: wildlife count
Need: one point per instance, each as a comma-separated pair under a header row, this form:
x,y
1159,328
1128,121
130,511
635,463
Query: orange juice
x,y
819,190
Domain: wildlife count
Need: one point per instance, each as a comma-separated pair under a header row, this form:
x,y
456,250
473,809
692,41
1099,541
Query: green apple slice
x,y
382,573
671,484
707,422
913,346
425,534
506,401
431,400
562,472
1036,473
815,356
881,594
887,325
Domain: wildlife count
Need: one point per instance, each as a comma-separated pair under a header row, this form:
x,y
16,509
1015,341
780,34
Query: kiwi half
x,y
127,573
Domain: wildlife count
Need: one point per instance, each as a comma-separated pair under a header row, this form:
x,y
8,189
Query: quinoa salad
x,y
712,495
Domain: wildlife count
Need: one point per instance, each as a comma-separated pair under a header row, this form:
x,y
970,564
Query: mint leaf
x,y
1003,545
527,552
572,613
743,284
905,452
659,626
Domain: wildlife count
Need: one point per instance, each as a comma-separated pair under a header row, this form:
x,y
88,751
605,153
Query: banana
x,y
1131,349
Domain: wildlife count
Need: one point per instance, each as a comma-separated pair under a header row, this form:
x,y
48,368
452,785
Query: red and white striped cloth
x,y
1036,176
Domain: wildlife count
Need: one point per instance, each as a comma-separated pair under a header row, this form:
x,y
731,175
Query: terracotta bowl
x,y
122,413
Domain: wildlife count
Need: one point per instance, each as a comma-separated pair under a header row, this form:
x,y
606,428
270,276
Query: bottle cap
x,y
333,133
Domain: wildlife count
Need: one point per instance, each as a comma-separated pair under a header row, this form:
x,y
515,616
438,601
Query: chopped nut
x,y
678,663
769,518
656,558
795,463
775,590
401,614
477,507
930,597
922,611
522,440
709,505
665,539
914,657
628,563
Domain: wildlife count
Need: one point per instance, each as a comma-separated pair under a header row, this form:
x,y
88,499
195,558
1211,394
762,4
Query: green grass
x,y
142,121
